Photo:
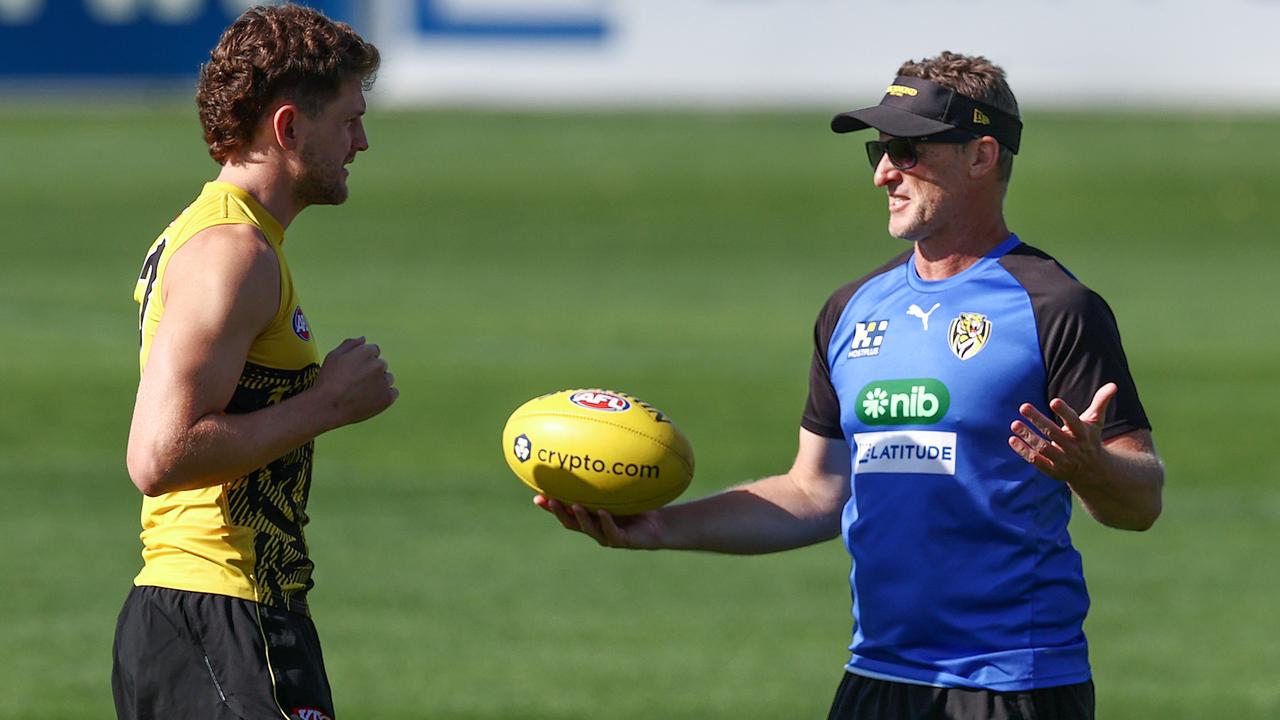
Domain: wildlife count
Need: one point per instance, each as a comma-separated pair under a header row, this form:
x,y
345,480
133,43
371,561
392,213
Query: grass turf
x,y
680,257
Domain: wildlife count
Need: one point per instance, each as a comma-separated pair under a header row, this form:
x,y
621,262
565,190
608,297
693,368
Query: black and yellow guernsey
x,y
242,538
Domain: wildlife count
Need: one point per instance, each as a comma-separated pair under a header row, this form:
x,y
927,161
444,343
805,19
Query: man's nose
x,y
885,172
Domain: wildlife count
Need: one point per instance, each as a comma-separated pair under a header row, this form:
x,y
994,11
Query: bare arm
x,y
221,290
798,508
1126,492
1119,481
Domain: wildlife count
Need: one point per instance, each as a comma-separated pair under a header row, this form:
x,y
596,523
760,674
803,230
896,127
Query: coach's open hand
x,y
1118,481
635,532
1069,452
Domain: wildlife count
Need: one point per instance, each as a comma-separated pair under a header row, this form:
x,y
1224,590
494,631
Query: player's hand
x,y
1071,451
635,532
355,382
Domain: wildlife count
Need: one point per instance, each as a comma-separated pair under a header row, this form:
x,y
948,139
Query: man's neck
x,y
266,185
947,254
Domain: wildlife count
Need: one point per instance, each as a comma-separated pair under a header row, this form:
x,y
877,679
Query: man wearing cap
x,y
959,396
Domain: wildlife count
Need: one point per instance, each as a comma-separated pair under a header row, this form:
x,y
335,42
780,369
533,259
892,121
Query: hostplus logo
x,y
867,338
919,401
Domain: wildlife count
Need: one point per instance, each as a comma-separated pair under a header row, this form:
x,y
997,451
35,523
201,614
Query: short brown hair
x,y
975,77
273,52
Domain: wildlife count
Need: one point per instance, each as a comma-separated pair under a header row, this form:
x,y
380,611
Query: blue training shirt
x,y
963,572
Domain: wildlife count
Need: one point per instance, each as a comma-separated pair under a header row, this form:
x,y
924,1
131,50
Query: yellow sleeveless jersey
x,y
243,538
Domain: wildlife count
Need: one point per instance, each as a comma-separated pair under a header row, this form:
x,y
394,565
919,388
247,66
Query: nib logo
x,y
921,401
308,714
876,402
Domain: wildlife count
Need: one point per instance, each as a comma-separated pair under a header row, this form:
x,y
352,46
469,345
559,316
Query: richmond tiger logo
x,y
968,334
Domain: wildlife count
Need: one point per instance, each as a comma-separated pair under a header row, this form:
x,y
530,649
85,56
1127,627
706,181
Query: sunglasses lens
x,y
875,151
902,153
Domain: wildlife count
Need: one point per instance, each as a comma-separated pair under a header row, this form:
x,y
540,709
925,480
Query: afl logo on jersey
x,y
300,326
968,334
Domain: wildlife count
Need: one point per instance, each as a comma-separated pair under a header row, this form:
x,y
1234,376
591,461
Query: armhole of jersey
x,y
286,288
822,407
252,208
281,311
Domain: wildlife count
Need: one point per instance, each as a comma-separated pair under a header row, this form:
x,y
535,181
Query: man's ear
x,y
985,157
284,123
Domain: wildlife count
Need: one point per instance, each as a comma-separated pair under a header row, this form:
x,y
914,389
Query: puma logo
x,y
915,311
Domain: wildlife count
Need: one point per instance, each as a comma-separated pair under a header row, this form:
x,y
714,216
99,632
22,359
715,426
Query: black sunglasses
x,y
902,151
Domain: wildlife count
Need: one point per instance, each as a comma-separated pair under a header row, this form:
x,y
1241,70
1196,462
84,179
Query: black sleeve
x,y
822,408
1079,339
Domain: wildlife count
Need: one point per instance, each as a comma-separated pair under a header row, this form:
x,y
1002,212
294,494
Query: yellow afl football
x,y
601,449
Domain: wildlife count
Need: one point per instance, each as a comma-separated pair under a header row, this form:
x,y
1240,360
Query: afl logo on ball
x,y
300,326
599,400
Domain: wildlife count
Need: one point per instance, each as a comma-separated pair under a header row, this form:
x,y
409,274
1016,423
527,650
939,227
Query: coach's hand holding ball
x,y
592,450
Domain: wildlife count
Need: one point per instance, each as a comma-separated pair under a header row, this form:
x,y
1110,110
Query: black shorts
x,y
193,655
863,698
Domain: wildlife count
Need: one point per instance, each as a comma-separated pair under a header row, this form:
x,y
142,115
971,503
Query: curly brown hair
x,y
975,77
270,53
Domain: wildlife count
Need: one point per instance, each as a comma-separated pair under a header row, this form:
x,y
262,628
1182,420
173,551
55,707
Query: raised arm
x,y
781,512
1119,481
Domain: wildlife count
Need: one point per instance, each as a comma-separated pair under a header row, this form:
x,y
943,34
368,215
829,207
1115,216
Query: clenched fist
x,y
355,382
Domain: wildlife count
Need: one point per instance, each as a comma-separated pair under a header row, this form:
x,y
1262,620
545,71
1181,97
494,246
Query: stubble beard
x,y
319,185
920,221
912,229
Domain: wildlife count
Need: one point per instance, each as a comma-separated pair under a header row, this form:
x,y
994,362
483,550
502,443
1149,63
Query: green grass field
x,y
680,257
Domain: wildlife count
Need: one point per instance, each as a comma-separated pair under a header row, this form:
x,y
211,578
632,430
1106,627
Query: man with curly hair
x,y
233,391
959,395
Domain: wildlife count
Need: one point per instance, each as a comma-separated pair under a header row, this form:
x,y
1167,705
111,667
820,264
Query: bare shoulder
x,y
227,268
228,251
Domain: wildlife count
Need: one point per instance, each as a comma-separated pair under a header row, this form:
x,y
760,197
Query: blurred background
x,y
642,195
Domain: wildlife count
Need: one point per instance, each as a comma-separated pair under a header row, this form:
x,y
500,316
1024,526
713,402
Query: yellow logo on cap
x,y
980,118
900,90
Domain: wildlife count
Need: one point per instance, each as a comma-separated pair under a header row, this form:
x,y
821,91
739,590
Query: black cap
x,y
915,107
